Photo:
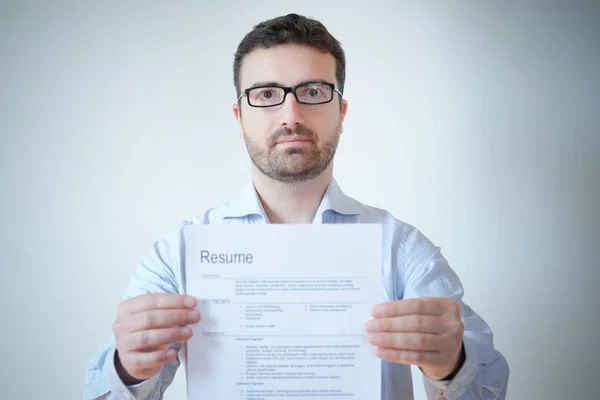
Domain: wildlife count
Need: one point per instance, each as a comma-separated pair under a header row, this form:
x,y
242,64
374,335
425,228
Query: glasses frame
x,y
291,89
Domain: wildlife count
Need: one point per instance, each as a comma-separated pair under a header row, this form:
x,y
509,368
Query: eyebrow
x,y
273,83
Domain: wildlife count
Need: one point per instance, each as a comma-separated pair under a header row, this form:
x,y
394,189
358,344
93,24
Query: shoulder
x,y
212,215
389,222
399,235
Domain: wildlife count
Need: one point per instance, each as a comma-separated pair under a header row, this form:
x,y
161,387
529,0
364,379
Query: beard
x,y
293,164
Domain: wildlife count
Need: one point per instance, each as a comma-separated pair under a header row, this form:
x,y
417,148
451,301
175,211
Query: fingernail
x,y
186,331
194,316
189,302
374,339
376,310
371,325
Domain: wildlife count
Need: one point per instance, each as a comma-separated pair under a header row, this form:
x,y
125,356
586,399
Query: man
x,y
289,75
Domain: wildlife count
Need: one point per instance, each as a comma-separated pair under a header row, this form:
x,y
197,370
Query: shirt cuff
x,y
118,389
461,381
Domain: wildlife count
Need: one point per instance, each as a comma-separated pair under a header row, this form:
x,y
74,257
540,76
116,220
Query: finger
x,y
153,301
407,341
156,319
137,360
154,338
435,306
420,358
410,323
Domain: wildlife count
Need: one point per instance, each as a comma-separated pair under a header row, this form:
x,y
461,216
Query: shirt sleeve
x,y
484,374
158,272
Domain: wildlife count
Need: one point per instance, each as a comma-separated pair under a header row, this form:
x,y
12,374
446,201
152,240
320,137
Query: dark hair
x,y
290,29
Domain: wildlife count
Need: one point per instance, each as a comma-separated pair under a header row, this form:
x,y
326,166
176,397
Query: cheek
x,y
328,118
328,126
256,125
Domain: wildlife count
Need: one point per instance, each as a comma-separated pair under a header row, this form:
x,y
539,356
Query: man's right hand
x,y
145,327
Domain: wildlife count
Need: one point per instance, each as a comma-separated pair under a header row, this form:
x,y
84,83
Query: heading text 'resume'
x,y
225,258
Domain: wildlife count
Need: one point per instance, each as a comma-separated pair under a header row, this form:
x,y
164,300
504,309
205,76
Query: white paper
x,y
284,318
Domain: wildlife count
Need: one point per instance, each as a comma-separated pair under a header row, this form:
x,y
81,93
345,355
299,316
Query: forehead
x,y
287,65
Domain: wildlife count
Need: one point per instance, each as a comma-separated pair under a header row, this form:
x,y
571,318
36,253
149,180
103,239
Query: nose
x,y
291,111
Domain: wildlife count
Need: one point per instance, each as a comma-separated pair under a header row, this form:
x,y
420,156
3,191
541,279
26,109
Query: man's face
x,y
291,142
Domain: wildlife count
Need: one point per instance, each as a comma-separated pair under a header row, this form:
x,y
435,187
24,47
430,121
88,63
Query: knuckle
x,y
421,306
168,336
182,333
454,307
165,355
147,320
133,360
459,327
396,340
139,361
175,335
453,325
149,301
396,356
390,339
144,338
384,324
419,322
419,357
181,318
172,336
168,318
380,339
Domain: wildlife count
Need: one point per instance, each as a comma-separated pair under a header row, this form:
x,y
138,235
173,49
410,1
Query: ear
x,y
343,111
237,114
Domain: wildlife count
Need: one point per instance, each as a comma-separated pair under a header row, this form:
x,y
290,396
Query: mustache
x,y
299,130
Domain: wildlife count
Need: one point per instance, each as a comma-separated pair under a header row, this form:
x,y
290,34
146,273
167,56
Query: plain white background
x,y
476,121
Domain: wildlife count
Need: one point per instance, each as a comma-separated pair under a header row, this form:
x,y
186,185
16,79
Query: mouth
x,y
293,139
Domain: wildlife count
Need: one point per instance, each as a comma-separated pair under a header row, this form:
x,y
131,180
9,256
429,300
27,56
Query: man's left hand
x,y
426,332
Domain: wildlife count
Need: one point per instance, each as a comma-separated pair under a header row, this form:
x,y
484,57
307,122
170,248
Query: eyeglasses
x,y
308,93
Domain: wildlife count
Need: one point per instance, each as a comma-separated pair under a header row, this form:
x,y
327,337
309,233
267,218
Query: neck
x,y
291,203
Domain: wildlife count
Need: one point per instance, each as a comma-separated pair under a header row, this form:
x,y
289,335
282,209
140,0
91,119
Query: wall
x,y
478,122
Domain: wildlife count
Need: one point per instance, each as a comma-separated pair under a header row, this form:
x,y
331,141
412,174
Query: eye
x,y
265,94
313,92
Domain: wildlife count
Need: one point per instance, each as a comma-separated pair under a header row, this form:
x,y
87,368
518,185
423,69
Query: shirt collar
x,y
248,203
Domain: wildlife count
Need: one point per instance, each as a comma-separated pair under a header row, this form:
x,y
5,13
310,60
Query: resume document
x,y
283,309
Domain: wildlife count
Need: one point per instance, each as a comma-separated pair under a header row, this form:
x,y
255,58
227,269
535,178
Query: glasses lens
x,y
265,96
314,93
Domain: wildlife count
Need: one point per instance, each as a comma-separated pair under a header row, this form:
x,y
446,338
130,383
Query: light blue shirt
x,y
412,267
